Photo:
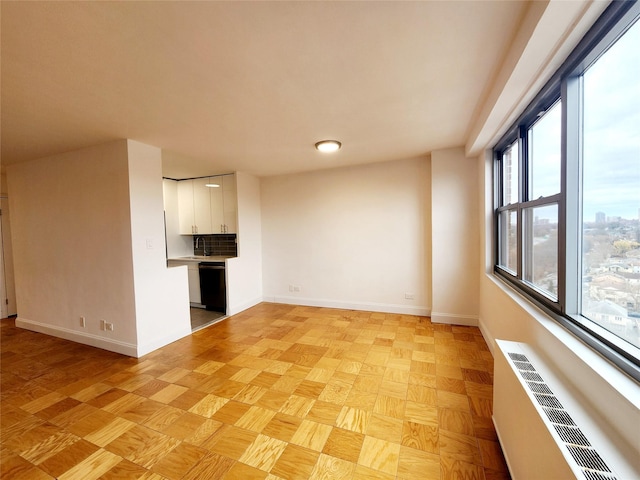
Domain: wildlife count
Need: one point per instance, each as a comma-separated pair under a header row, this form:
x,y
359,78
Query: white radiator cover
x,y
544,433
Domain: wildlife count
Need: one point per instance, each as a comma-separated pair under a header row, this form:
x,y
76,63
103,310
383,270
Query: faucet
x,y
204,248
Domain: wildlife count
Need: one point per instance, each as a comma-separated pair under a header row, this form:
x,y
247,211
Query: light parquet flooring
x,y
276,392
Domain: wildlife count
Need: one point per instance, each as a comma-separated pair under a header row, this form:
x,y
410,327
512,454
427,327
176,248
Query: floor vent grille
x,y
586,457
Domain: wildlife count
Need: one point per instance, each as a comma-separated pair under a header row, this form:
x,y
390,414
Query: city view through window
x,y
611,189
608,210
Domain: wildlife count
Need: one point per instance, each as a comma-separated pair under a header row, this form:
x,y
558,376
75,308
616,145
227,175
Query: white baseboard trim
x,y
454,319
116,346
162,342
365,306
241,307
489,340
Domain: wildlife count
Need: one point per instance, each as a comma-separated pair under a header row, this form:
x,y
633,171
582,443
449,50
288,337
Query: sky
x,y
612,131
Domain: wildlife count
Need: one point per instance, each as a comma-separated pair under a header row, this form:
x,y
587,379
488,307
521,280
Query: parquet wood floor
x,y
276,392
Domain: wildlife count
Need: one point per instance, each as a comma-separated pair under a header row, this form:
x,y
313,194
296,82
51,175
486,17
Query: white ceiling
x,y
249,86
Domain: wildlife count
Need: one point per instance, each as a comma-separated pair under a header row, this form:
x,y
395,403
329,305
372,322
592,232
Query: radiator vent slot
x,y
559,416
525,366
548,401
591,475
588,458
539,388
585,456
531,376
572,435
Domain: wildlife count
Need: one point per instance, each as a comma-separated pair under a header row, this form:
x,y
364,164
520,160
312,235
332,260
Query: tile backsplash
x,y
218,244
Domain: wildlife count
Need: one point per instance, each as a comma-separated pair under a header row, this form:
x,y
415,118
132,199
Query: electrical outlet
x,y
102,325
291,288
296,288
409,296
83,322
108,326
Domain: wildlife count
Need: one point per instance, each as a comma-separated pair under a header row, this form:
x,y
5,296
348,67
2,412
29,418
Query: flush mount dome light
x,y
328,146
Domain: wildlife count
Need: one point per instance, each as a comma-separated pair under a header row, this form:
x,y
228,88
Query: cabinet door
x,y
194,284
185,207
217,207
230,202
202,206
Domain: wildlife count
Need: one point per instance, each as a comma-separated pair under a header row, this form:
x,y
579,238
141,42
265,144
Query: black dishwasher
x,y
213,286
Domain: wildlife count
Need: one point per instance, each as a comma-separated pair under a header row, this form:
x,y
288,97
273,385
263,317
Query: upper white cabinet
x,y
206,209
186,218
230,204
202,206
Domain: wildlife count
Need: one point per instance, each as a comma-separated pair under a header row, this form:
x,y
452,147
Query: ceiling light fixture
x,y
211,185
328,146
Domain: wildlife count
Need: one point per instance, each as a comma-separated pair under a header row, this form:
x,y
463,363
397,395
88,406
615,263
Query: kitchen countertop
x,y
200,258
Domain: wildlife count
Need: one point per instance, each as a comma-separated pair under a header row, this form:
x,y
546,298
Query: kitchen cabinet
x,y
194,283
206,210
193,275
194,207
186,217
224,204
202,206
230,204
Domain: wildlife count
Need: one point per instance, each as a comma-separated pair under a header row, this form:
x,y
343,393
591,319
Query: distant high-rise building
x,y
601,217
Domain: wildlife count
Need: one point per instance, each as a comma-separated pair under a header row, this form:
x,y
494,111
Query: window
x,y
568,191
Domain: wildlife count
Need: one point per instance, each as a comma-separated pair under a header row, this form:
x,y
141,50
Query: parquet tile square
x,y
329,467
295,463
142,445
380,455
233,442
278,392
263,453
255,419
353,419
245,472
212,465
344,444
179,461
311,435
72,454
231,412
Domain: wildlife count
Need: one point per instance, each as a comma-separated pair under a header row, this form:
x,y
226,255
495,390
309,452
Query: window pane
x,y
611,190
544,154
510,175
541,248
509,240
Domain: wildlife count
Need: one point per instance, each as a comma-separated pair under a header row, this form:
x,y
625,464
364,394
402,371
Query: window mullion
x,y
570,255
522,197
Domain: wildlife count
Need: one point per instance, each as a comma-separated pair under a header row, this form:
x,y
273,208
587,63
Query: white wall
x,y
71,232
161,294
244,273
88,236
353,237
455,237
